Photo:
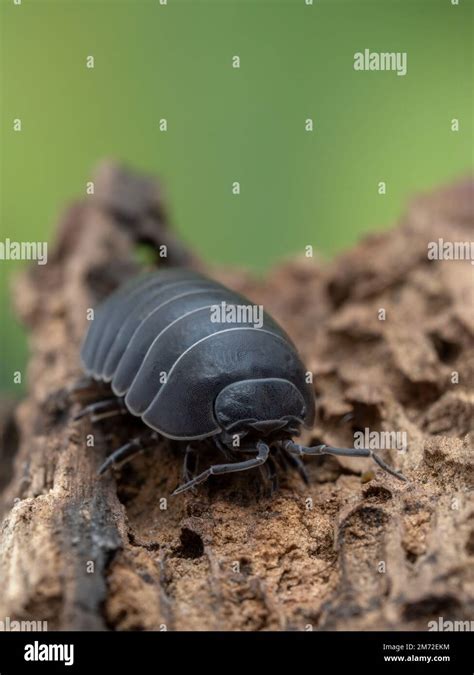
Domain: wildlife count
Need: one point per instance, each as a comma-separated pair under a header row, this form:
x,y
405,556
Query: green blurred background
x,y
174,61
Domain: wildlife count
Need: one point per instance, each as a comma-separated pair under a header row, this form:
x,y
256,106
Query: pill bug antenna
x,y
298,450
260,456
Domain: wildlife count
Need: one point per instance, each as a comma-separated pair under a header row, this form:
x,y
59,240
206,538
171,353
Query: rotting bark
x,y
355,549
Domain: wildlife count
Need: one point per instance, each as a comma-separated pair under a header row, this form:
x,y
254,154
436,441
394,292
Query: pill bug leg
x,y
269,482
294,460
299,450
129,450
108,407
97,398
270,466
262,451
264,480
190,463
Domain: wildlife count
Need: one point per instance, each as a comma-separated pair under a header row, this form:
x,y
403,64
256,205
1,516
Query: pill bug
x,y
239,386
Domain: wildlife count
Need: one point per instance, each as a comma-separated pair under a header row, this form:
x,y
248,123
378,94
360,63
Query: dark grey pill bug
x,y
202,365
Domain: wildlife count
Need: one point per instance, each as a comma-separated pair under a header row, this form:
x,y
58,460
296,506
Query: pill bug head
x,y
260,408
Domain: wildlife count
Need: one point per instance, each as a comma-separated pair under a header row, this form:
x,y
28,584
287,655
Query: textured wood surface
x,y
356,549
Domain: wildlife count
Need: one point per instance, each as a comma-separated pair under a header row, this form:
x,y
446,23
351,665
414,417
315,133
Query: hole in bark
x,y
245,566
377,493
191,545
418,394
365,415
10,440
470,543
432,606
411,557
447,351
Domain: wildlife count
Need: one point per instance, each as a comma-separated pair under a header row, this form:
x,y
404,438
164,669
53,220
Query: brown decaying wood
x,y
355,549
